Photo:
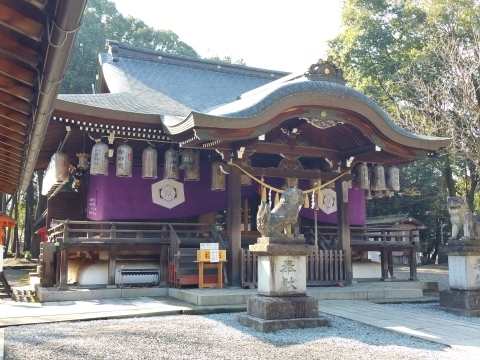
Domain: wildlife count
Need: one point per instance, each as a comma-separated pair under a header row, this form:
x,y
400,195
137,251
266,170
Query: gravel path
x,y
220,336
217,336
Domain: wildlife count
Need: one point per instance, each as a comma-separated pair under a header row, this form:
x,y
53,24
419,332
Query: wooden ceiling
x,y
36,39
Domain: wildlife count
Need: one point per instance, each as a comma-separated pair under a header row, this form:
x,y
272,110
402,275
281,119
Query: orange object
x,y
5,221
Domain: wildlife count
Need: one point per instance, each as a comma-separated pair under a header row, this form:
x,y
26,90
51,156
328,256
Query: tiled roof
x,y
148,82
391,219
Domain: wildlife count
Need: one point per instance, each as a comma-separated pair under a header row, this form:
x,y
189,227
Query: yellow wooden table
x,y
203,260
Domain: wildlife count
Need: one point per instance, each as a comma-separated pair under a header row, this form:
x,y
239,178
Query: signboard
x,y
209,246
211,256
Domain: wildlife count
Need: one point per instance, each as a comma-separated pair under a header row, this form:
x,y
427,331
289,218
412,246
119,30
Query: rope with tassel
x,y
265,186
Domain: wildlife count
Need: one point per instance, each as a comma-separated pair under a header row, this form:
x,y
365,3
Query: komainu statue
x,y
462,219
274,222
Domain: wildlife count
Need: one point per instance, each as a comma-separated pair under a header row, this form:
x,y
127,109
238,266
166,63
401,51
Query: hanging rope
x,y
266,186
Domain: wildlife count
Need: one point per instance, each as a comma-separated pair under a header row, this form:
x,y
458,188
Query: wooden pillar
x,y
112,264
163,264
234,224
63,266
343,227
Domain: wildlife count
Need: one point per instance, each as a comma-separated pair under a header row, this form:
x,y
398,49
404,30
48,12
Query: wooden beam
x,y
20,23
9,178
15,103
13,120
8,187
16,89
12,134
15,158
306,174
358,151
16,72
38,3
299,151
11,145
9,162
18,51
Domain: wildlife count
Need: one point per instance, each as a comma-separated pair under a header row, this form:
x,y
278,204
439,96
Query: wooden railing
x,y
323,268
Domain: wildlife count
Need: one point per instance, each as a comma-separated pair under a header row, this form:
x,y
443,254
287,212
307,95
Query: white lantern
x,y
187,159
149,163
361,176
124,161
392,178
60,167
218,176
378,178
170,168
99,158
193,174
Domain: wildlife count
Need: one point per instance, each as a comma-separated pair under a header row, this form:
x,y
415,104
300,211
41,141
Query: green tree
x,y
101,21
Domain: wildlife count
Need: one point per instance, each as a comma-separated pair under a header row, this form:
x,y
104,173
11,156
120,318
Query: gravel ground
x,y
217,336
221,336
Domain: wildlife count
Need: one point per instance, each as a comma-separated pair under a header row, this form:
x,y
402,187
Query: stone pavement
x,y
455,333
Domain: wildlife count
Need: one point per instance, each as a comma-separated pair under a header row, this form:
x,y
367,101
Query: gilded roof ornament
x,y
326,71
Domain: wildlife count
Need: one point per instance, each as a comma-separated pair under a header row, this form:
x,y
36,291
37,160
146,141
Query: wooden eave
x,y
36,38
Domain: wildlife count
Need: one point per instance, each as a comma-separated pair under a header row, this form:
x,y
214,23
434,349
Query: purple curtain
x,y
114,198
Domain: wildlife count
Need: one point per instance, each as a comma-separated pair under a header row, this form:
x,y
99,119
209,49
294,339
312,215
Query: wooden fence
x,y
324,267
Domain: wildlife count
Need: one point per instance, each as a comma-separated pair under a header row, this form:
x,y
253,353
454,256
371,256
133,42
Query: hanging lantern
x,y
124,161
187,159
82,161
245,180
378,178
392,178
170,169
149,163
218,176
361,176
193,174
99,157
60,167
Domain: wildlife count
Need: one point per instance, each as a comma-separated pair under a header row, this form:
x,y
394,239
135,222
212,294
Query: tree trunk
x,y
29,216
8,243
449,181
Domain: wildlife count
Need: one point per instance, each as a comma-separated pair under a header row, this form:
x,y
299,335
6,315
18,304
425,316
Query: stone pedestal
x,y
463,297
281,302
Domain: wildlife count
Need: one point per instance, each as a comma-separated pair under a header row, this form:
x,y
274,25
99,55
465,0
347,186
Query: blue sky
x,y
276,35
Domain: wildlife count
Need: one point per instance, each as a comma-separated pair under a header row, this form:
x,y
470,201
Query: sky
x,y
270,34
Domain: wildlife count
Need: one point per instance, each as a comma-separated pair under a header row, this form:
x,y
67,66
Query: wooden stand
x,y
208,265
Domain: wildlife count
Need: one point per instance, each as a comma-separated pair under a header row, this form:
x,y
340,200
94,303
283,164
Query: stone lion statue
x,y
284,215
462,219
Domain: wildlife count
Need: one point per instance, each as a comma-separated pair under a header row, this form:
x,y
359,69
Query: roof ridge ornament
x,y
326,71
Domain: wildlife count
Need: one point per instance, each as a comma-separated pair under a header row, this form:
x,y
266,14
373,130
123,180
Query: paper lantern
x,y
378,178
193,174
99,157
82,161
149,163
60,167
362,180
218,176
170,169
392,178
187,159
124,161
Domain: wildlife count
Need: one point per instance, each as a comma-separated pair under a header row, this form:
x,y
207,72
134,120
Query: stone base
x,y
273,325
461,302
267,313
282,307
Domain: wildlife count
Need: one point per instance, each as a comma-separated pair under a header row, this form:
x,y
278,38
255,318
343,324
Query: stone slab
x,y
263,325
282,275
281,240
464,272
281,249
287,307
460,299
460,312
